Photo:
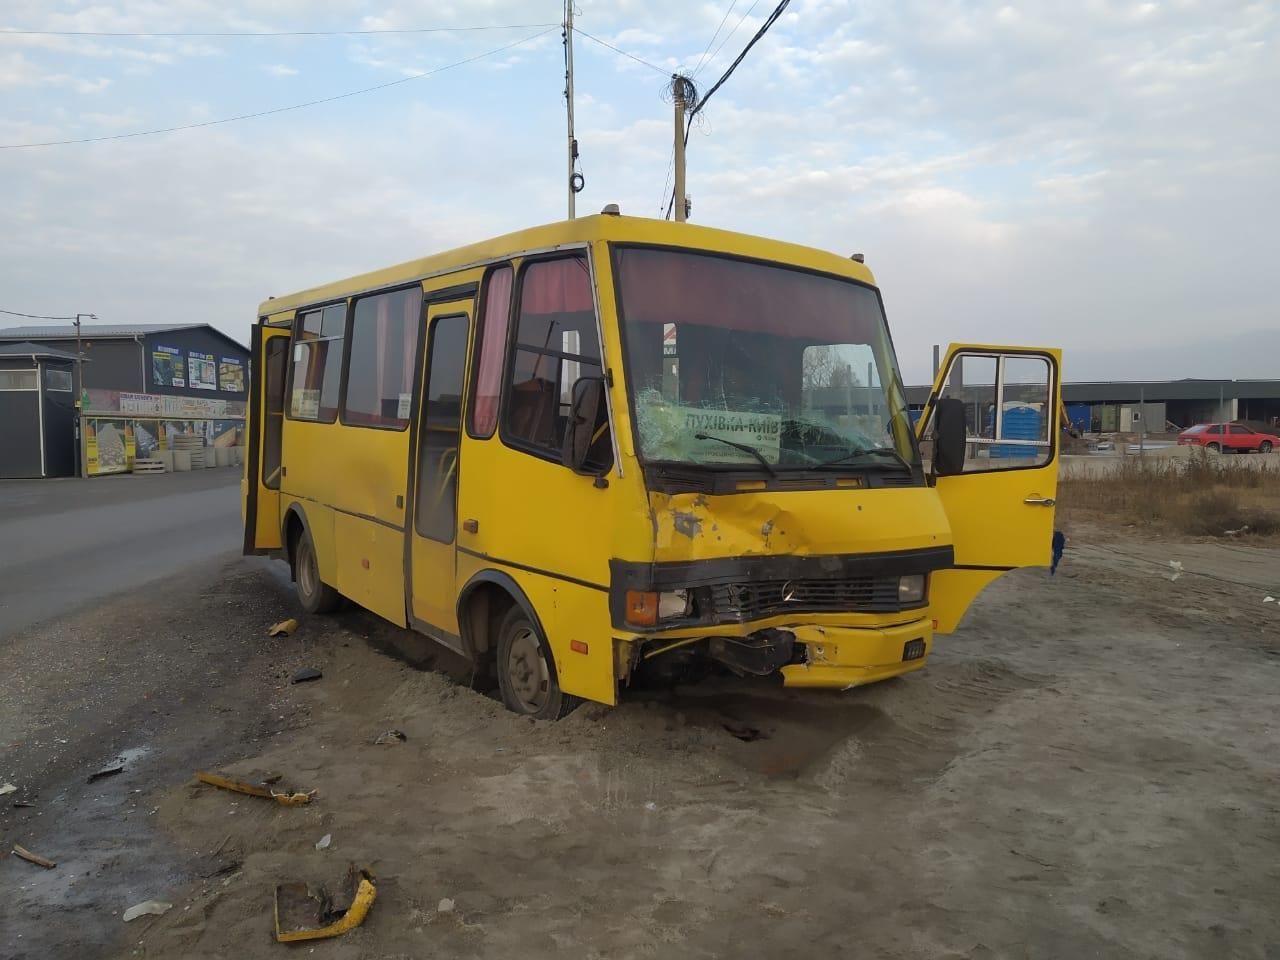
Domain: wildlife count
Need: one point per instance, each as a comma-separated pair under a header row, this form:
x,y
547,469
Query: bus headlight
x,y
672,604
911,589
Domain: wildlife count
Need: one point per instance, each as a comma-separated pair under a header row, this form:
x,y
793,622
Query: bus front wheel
x,y
526,674
314,594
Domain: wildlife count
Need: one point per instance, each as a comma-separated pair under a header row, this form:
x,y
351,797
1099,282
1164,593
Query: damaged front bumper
x,y
843,657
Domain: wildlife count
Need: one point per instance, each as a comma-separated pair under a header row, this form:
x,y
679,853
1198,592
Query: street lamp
x,y
80,360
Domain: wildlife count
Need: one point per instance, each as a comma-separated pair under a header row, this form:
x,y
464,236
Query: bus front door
x,y
432,568
261,482
1000,494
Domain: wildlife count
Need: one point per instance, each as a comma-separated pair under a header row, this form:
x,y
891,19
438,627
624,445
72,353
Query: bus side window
x,y
441,426
490,350
555,344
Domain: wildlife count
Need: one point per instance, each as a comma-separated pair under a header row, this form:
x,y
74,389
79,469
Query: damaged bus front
x,y
791,523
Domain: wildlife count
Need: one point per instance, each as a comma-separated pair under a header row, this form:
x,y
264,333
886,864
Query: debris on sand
x,y
10,788
283,628
108,771
307,912
323,842
153,908
446,906
305,674
285,796
30,857
1176,566
389,737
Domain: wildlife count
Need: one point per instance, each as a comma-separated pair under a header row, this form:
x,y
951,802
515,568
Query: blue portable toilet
x,y
1020,422
1080,416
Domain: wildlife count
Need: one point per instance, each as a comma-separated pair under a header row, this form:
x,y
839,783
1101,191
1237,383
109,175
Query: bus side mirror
x,y
584,413
949,437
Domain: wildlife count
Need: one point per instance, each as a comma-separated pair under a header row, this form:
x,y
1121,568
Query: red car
x,y
1228,437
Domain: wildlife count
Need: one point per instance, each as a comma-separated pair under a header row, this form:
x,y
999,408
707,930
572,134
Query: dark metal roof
x,y
28,349
1152,391
97,331
106,331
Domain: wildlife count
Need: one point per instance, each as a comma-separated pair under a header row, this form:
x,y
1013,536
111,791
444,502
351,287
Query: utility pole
x,y
677,96
575,182
79,407
684,96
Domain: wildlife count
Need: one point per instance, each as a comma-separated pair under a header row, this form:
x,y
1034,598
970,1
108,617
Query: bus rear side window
x,y
491,345
317,364
384,342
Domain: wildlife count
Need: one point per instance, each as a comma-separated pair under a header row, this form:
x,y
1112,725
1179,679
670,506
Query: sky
x,y
1099,176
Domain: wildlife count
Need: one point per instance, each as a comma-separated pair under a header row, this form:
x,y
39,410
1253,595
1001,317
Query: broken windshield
x,y
786,369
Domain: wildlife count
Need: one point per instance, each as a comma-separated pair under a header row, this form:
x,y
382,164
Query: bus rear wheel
x,y
314,594
526,673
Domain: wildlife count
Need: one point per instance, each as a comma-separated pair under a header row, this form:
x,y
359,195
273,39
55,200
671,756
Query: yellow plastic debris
x,y
297,904
284,626
285,798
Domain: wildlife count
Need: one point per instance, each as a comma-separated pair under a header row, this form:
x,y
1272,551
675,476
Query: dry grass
x,y
1203,496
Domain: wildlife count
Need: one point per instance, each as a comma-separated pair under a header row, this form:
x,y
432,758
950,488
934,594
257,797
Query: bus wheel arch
x,y
492,612
314,594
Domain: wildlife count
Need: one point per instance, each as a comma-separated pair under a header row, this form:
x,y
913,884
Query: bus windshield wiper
x,y
868,452
745,448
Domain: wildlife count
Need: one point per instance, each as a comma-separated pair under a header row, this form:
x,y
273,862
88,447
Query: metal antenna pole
x,y
568,96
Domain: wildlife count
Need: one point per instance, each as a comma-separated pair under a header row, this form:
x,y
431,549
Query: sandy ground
x,y
1087,769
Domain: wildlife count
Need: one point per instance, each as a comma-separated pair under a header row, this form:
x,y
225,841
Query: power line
x,y
606,43
702,101
764,27
713,38
233,34
275,110
34,316
736,27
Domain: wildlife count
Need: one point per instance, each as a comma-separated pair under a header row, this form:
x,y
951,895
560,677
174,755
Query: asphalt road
x,y
68,543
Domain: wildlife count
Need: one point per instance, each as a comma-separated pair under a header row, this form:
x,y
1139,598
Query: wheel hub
x,y
527,671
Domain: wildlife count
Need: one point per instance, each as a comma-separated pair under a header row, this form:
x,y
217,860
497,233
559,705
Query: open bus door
x,y
269,364
990,432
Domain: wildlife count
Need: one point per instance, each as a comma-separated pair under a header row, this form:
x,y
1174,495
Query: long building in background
x,y
139,386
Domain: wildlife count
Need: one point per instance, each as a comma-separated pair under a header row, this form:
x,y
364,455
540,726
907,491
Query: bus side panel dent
x,y
370,567
952,591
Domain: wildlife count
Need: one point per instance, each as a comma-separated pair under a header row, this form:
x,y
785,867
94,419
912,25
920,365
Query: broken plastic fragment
x,y
305,912
7,789
284,627
389,737
323,842
1268,599
305,674
154,908
446,906
286,797
1177,570
30,857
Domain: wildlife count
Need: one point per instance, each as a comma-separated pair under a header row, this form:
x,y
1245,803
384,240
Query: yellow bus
x,y
612,445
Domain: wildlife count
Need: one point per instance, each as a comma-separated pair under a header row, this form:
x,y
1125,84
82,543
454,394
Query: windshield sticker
x,y
672,430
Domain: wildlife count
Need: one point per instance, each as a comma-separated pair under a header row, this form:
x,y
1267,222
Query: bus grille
x,y
766,598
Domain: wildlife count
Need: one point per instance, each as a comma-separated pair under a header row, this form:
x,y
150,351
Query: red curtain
x,y
557,286
660,286
493,342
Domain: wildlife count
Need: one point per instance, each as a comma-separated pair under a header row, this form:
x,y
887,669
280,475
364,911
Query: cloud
x,y
1098,176
280,70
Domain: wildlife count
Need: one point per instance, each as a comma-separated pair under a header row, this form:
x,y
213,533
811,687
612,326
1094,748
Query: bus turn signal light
x,y
578,646
642,608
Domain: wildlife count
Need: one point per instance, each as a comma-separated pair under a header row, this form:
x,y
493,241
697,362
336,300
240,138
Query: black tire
x,y
1264,446
314,594
1213,448
526,670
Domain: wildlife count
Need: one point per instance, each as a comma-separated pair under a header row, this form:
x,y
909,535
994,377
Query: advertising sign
x,y
108,446
202,371
167,367
231,375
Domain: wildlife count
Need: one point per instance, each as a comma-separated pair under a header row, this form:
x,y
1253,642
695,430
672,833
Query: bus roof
x,y
607,227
